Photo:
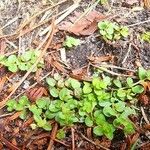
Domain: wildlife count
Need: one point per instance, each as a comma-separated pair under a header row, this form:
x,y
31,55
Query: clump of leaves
x,y
146,37
24,62
112,31
104,104
71,41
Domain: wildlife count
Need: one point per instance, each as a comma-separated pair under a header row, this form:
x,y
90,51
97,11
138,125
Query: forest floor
x,y
44,25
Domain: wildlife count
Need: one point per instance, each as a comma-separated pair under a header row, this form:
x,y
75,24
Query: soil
x,y
77,57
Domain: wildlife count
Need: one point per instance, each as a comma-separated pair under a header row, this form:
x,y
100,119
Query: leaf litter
x,y
79,26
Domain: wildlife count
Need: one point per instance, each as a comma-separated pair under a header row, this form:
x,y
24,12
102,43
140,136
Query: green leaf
x,y
47,126
11,105
87,88
98,130
35,110
22,66
12,59
75,84
88,121
121,93
108,130
51,82
27,56
130,82
117,83
64,94
24,101
23,114
57,76
61,134
49,114
60,83
124,31
13,68
108,111
138,89
43,102
54,92
100,119
142,73
148,74
120,106
70,42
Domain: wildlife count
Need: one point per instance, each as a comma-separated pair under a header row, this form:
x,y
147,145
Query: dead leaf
x,y
87,25
100,59
144,99
147,3
36,93
2,82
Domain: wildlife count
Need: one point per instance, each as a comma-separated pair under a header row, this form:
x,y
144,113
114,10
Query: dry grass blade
x,y
2,104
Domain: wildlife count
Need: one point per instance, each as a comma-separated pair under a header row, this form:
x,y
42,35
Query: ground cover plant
x,y
104,104
74,74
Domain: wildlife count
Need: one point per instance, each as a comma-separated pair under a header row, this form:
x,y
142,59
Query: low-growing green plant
x,y
104,104
112,31
103,2
70,42
146,37
24,62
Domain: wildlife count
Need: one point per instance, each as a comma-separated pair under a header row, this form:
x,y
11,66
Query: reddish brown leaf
x,y
100,59
87,25
36,93
144,99
2,82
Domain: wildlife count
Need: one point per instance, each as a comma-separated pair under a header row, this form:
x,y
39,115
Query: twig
x,y
127,54
138,23
6,115
52,137
2,104
144,116
110,72
73,140
10,22
97,145
117,67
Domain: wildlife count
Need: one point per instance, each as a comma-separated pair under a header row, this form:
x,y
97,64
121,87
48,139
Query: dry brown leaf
x,y
36,93
147,3
87,25
100,59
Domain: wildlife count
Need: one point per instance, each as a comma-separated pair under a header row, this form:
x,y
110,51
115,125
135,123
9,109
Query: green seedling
x,y
146,37
104,104
112,31
24,62
70,42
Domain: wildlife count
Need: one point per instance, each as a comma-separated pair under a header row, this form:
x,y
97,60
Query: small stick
x,y
73,140
138,23
144,116
52,137
6,115
110,72
98,145
127,54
